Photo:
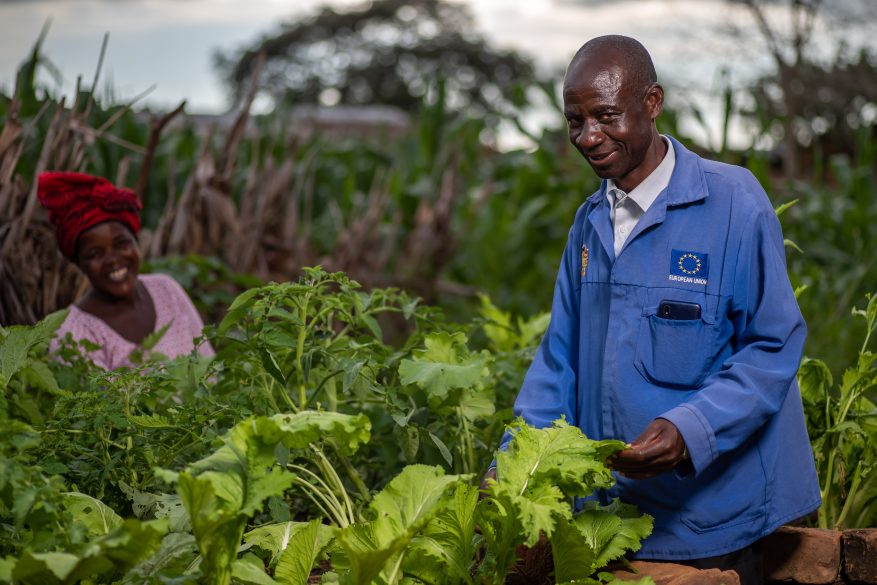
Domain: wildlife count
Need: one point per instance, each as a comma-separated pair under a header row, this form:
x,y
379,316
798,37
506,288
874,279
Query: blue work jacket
x,y
611,362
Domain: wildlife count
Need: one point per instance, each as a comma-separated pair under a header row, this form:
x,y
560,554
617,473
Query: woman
x,y
97,225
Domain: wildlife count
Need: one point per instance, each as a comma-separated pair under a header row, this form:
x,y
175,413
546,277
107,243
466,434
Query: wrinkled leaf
x,y
97,517
444,365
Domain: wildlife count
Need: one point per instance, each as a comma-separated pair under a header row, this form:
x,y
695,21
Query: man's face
x,y
611,122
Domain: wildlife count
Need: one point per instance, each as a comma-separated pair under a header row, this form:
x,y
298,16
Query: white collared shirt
x,y
626,209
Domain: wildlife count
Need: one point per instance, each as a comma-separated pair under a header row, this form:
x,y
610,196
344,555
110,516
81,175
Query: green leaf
x,y
216,525
533,328
499,325
791,244
401,510
132,542
13,352
350,374
560,455
238,309
38,375
51,564
449,539
444,365
150,421
250,570
275,538
119,550
574,557
297,431
408,439
595,537
18,342
443,449
476,404
814,379
173,557
373,326
413,497
271,366
6,567
298,558
539,510
150,341
222,491
614,530
97,517
409,308
537,475
782,208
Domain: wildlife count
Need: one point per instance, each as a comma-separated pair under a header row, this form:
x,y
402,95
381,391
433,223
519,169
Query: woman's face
x,y
109,256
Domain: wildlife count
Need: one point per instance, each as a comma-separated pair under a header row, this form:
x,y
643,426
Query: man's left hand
x,y
657,450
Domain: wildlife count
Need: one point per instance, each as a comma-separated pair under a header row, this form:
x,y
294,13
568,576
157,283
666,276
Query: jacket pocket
x,y
732,491
676,353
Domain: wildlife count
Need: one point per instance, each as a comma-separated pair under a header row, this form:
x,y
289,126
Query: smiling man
x,y
674,327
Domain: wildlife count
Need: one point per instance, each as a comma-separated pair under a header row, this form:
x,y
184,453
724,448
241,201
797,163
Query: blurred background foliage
x,y
433,206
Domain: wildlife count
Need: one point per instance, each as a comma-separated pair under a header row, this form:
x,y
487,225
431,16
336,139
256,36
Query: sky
x,y
169,44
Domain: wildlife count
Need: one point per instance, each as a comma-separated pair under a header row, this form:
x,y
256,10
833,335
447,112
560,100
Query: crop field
x,y
374,307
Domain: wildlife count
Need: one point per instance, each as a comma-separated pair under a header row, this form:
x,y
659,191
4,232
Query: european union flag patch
x,y
690,267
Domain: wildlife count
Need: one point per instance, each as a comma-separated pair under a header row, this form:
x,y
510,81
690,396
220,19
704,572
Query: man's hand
x,y
657,450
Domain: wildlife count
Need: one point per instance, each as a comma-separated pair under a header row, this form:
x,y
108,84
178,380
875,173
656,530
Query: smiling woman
x,y
97,225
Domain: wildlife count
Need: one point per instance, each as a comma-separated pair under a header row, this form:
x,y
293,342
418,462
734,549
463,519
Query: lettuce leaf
x,y
374,552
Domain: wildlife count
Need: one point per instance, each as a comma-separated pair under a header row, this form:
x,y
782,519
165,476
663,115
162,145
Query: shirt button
x,y
623,230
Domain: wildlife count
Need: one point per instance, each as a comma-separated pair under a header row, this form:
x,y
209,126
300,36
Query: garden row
x,y
333,424
307,439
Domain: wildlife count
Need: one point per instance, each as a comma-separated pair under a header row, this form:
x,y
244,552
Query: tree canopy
x,y
813,99
386,52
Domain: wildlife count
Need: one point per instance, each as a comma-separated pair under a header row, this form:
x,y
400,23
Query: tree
x,y
383,52
806,94
837,102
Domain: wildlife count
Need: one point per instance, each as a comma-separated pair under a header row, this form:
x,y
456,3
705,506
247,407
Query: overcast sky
x,y
170,43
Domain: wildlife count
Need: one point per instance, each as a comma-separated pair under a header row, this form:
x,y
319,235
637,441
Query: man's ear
x,y
655,100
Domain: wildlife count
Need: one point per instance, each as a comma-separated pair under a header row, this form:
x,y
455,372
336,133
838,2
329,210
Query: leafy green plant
x,y
306,336
536,477
24,374
842,421
78,492
223,491
423,525
455,381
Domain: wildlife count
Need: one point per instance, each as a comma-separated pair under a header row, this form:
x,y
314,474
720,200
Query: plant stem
x,y
300,349
857,478
333,508
312,494
332,476
355,477
396,567
467,450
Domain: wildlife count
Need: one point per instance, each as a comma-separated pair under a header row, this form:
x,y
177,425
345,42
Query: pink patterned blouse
x,y
172,305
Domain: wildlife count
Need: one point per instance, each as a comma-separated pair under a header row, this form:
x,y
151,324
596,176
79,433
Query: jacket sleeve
x,y
549,388
768,342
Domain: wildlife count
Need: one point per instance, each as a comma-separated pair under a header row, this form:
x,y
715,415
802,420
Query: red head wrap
x,y
77,202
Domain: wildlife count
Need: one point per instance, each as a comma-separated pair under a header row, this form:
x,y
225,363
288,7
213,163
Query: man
x,y
674,327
